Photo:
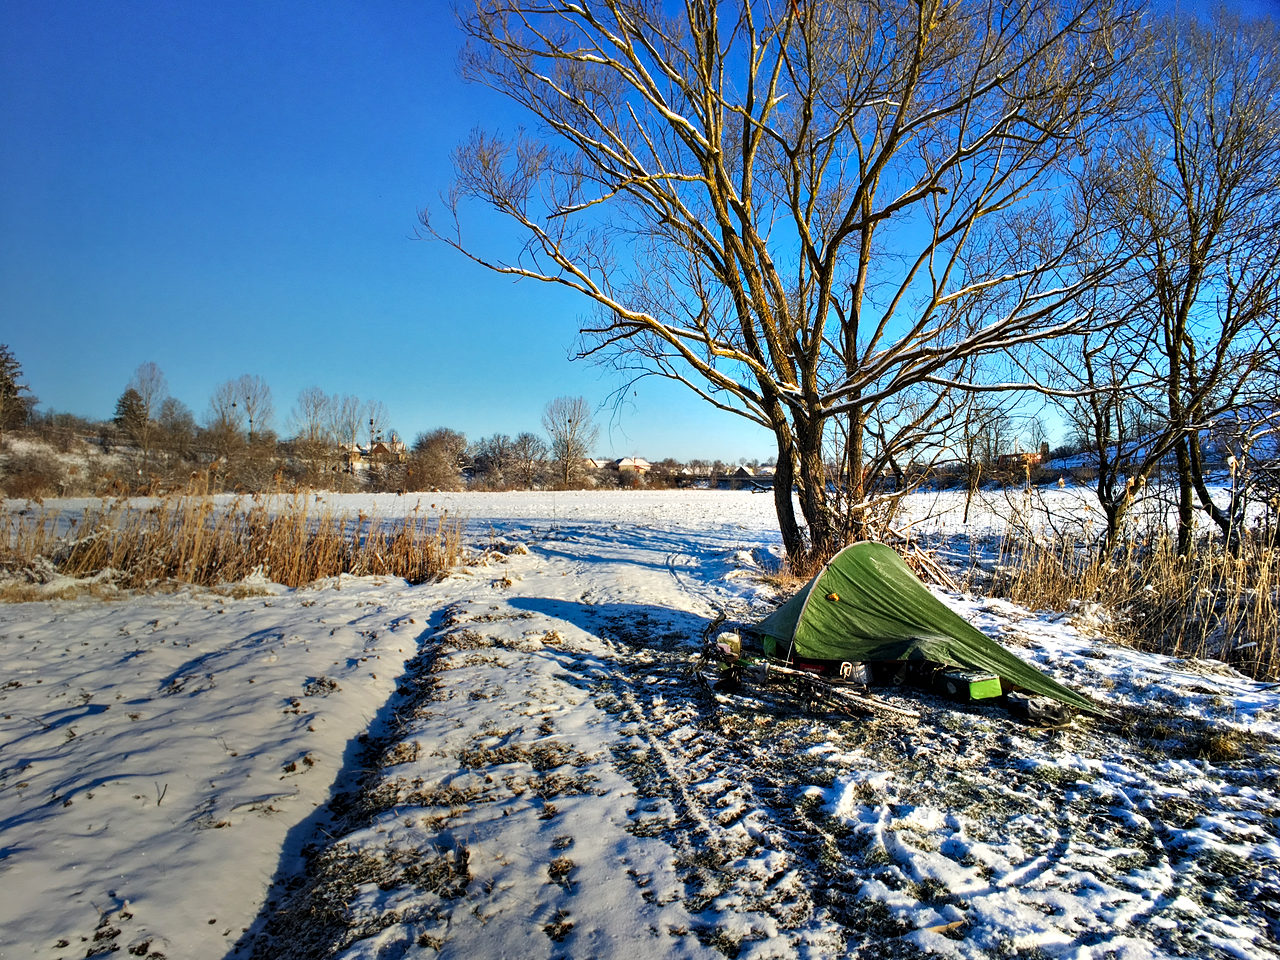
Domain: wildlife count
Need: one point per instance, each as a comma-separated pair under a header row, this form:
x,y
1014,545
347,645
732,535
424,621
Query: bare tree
x,y
868,459
254,394
312,417
347,413
493,459
1114,417
798,210
1193,188
572,429
1215,263
177,427
529,454
1252,434
150,389
236,406
983,430
375,412
225,411
224,420
312,423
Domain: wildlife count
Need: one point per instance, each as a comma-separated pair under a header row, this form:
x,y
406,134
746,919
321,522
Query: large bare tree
x,y
244,401
347,414
439,456
379,419
254,393
529,452
1211,197
800,210
1193,188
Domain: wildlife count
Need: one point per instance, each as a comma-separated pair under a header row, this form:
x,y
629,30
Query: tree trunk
x,y
1228,521
856,521
1114,509
784,504
814,501
1186,506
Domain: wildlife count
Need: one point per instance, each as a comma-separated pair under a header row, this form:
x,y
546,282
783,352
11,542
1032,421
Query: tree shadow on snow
x,y
635,624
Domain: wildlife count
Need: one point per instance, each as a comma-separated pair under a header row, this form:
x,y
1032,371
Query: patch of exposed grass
x,y
559,872
728,944
1166,733
559,927
542,756
315,918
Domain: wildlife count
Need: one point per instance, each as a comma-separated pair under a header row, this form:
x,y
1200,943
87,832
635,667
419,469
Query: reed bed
x,y
1209,604
191,539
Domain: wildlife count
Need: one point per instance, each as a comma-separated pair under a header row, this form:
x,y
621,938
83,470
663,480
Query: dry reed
x,y
1209,604
190,539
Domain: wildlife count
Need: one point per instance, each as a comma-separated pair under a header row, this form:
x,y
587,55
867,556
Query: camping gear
x,y
866,607
970,685
729,674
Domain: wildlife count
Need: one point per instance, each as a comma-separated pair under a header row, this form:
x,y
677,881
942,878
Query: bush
x,y
33,475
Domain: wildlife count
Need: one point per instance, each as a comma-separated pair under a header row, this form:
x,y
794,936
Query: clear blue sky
x,y
230,187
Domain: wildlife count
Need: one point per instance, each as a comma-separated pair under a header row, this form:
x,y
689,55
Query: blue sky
x,y
229,187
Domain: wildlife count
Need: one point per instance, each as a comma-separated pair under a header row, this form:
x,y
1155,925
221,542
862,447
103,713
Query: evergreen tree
x,y
16,401
131,415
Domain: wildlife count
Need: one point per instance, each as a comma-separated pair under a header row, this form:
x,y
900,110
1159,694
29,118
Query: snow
x,y
148,744
514,762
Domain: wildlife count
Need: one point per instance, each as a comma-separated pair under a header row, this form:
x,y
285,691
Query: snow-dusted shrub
x,y
33,473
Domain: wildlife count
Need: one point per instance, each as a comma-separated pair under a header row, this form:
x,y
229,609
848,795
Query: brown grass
x,y
190,539
1210,604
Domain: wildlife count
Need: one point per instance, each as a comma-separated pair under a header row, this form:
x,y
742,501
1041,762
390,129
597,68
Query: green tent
x,y
866,606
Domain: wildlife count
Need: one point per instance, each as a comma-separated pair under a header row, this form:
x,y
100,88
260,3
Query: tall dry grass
x,y
1209,604
190,539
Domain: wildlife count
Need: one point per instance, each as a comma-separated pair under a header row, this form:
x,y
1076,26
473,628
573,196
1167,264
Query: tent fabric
x,y
867,606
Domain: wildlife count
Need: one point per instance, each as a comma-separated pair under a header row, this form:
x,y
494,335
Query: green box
x,y
971,686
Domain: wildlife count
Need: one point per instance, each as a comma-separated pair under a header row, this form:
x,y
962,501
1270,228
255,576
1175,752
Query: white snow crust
x,y
515,762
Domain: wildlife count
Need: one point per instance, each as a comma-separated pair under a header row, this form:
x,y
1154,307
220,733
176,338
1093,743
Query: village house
x,y
378,451
631,465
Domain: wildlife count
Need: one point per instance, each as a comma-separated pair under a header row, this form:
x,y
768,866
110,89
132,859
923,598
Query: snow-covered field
x,y
514,763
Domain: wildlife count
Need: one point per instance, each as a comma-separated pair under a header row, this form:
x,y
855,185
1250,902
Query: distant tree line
x,y
331,441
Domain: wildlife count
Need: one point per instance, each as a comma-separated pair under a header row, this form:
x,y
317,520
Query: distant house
x,y
387,451
354,457
632,465
592,464
378,451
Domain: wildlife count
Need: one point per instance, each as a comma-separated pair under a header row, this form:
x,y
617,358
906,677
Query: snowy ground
x,y
513,762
